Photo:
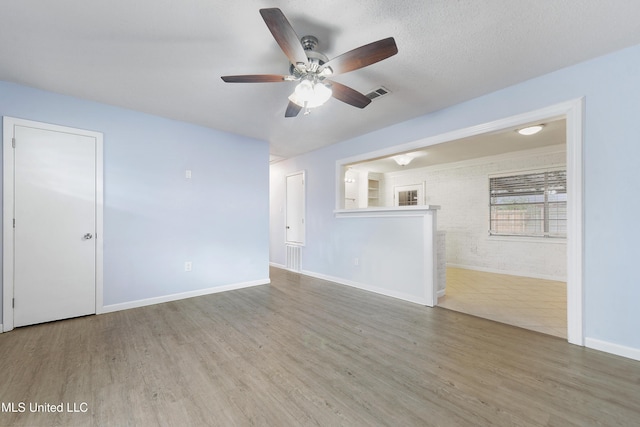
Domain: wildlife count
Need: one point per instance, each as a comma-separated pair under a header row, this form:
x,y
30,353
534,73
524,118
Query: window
x,y
532,204
409,195
408,198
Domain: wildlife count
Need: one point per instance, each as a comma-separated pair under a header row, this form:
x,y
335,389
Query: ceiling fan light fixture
x,y
310,95
530,130
304,91
322,93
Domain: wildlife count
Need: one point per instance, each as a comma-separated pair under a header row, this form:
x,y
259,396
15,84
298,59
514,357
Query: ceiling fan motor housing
x,y
316,59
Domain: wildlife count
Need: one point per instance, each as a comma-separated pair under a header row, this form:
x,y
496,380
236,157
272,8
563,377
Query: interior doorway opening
x,y
570,115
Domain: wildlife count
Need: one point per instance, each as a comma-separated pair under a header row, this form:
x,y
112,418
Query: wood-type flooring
x,y
303,351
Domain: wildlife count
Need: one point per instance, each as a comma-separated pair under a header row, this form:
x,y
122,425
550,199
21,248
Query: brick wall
x,y
462,191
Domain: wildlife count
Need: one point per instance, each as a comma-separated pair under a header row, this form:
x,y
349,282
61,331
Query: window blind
x,y
532,204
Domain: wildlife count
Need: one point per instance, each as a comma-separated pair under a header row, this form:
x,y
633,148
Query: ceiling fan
x,y
312,69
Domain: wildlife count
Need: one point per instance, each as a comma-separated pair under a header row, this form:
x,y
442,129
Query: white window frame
x,y
413,187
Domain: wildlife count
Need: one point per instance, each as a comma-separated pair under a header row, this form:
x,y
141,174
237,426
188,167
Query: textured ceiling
x,y
165,57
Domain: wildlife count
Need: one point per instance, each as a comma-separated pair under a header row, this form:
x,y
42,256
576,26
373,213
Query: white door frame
x,y
8,125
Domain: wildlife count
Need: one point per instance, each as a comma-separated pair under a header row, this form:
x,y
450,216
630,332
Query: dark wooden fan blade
x,y
285,36
254,78
292,109
363,56
348,95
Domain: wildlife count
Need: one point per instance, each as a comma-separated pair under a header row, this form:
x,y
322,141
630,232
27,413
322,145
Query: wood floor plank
x,y
303,351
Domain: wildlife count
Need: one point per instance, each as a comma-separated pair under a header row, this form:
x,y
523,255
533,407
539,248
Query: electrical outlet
x,y
356,261
187,174
187,266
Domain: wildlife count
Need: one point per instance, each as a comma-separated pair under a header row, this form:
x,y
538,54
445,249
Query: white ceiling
x,y
165,57
496,143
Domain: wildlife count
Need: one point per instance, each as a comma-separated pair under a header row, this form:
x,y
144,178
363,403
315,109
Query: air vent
x,y
377,93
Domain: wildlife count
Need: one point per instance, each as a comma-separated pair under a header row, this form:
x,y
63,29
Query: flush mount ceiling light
x,y
402,159
530,130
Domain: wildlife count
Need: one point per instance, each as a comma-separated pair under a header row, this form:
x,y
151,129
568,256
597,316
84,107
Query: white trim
x,y
99,223
508,272
575,229
277,265
386,211
183,295
8,125
573,112
430,250
617,349
526,239
7,229
339,203
1,328
369,288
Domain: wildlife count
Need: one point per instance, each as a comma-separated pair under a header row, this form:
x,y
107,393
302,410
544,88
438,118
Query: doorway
x,y
294,220
572,112
515,273
295,213
52,222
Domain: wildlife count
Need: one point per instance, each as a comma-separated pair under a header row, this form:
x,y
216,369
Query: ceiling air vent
x,y
377,93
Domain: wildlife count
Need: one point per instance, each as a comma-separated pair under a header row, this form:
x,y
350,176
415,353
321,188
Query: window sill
x,y
529,239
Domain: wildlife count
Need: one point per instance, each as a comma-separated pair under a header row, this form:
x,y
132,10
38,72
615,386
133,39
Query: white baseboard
x,y
183,295
617,349
284,267
374,289
1,328
509,272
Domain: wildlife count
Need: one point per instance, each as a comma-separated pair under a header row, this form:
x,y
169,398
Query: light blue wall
x,y
611,87
154,218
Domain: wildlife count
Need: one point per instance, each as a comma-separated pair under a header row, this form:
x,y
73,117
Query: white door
x,y
54,247
294,215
